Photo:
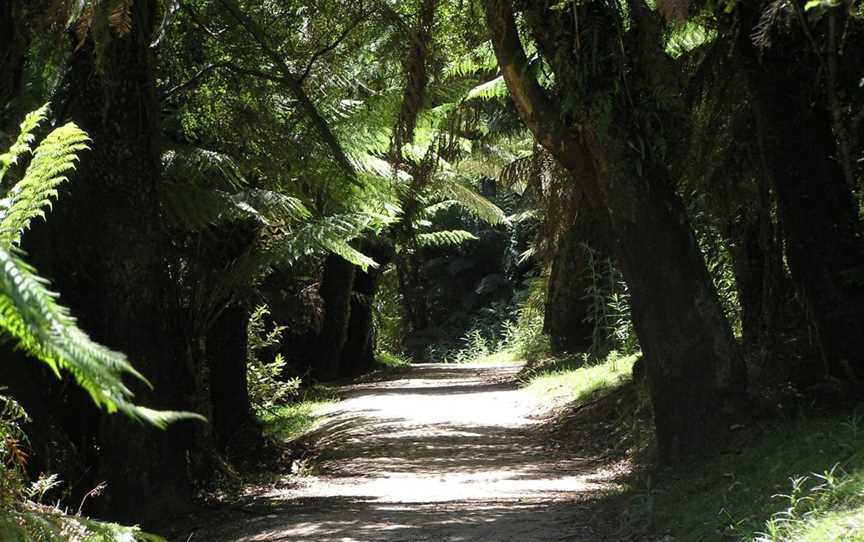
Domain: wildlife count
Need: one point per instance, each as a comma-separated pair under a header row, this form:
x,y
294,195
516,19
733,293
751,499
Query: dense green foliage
x,y
264,196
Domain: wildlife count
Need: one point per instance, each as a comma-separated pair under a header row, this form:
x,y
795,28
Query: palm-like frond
x,y
474,203
446,238
496,89
25,139
205,187
333,234
44,328
29,198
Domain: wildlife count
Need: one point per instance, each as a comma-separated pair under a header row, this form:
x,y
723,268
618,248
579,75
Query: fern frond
x,y
432,210
29,198
334,234
25,139
481,59
44,328
474,203
271,207
447,238
495,89
194,165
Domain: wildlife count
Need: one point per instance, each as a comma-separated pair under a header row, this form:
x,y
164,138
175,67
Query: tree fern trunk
x,y
695,375
336,285
568,303
358,354
234,424
104,248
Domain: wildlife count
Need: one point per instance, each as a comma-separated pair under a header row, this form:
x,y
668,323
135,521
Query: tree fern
x,y
474,203
33,194
28,310
205,187
25,139
446,238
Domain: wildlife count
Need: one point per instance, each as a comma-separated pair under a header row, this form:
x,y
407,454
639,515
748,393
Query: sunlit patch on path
x,y
445,452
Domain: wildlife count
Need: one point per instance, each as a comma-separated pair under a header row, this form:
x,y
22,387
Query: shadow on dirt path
x,y
440,453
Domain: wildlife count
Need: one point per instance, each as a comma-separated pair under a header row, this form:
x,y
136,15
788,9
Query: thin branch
x,y
295,87
318,54
191,82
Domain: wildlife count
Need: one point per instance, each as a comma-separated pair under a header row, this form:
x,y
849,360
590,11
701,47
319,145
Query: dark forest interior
x,y
266,267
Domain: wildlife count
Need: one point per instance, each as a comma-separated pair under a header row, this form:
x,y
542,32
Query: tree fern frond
x,y
481,59
194,165
495,89
473,202
435,208
31,314
447,238
195,208
272,207
333,234
22,145
29,198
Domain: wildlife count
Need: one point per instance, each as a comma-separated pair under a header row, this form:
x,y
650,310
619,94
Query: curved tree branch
x,y
538,110
295,87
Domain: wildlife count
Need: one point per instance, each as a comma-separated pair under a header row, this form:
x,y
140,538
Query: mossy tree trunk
x,y
696,378
103,247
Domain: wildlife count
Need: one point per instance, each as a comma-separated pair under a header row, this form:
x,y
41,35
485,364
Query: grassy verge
x,y
795,480
389,361
801,480
503,357
290,421
574,379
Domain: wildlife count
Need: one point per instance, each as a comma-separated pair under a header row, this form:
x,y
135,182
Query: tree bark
x,y
358,353
234,425
336,286
103,248
695,374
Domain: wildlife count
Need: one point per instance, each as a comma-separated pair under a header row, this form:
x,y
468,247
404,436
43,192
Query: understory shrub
x,y
267,388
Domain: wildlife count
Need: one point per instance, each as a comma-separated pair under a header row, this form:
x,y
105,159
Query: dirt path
x,y
444,452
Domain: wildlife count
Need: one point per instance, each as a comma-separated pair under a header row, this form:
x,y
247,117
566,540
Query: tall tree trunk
x,y
235,426
103,247
695,374
358,353
414,303
568,306
336,285
818,212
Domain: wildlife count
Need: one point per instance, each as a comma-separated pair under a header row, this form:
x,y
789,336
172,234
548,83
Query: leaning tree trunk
x,y
336,285
103,247
695,375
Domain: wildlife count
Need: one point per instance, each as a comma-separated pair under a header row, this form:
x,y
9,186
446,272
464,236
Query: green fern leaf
x,y
447,238
29,198
30,313
25,139
473,202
